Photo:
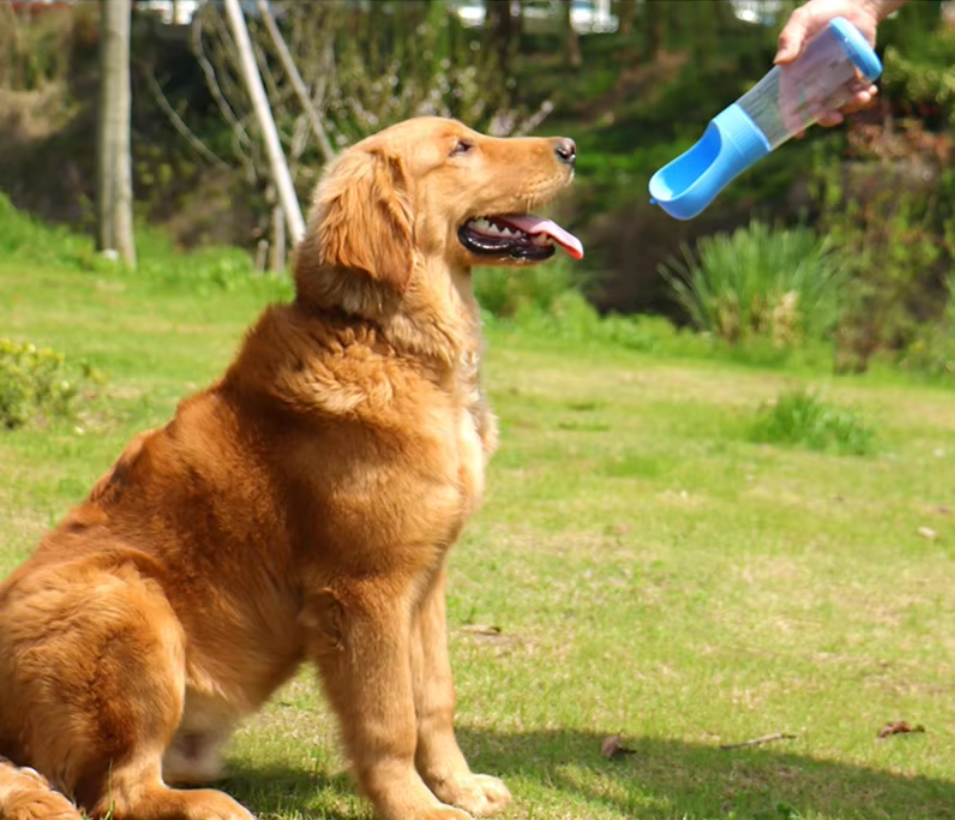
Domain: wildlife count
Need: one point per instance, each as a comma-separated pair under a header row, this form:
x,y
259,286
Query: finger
x,y
830,119
792,38
860,101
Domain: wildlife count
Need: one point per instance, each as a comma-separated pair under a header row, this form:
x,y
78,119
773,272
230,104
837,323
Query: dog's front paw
x,y
479,794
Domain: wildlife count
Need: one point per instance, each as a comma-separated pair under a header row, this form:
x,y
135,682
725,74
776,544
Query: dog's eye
x,y
462,147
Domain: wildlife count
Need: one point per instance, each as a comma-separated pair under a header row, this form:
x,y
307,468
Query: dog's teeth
x,y
486,226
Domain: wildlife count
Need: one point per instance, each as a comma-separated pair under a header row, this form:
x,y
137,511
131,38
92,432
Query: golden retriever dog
x,y
300,509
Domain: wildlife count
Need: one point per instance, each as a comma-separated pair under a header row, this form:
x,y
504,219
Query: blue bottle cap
x,y
731,143
857,48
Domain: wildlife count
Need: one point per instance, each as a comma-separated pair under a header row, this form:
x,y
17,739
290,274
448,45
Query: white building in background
x,y
543,16
178,13
762,12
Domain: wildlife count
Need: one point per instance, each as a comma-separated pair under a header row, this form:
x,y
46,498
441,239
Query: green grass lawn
x,y
652,571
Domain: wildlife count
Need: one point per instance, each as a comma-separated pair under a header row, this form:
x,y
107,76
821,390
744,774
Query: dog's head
x,y
424,201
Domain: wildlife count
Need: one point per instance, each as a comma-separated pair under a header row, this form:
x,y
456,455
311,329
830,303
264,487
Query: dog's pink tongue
x,y
536,225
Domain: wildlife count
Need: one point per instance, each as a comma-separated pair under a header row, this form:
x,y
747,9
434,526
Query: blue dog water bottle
x,y
785,102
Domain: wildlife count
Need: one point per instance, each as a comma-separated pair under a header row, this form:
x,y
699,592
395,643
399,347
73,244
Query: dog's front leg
x,y
359,634
438,756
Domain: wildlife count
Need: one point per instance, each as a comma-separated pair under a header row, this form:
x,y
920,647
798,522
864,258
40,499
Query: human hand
x,y
808,20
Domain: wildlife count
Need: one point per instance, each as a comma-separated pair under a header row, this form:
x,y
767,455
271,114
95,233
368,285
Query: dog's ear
x,y
364,218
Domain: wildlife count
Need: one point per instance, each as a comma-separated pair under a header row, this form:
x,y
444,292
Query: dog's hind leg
x,y
93,660
438,757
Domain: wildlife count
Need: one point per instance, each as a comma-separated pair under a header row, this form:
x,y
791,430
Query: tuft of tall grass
x,y
780,284
801,418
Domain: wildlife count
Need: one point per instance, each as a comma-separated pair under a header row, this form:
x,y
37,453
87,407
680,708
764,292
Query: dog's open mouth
x,y
519,236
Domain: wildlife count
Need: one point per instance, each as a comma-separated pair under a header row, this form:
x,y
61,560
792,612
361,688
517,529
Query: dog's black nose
x,y
566,151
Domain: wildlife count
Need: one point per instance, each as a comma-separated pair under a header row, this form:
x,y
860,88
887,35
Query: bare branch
x,y
298,84
181,126
213,83
758,741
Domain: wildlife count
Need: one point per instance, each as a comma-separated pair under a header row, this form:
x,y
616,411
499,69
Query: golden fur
x,y
300,509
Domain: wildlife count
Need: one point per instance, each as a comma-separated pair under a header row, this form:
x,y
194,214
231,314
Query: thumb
x,y
791,39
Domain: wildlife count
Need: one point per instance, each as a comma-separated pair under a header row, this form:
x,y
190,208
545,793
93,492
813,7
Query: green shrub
x,y
37,385
759,283
890,211
503,292
801,418
25,238
932,351
924,76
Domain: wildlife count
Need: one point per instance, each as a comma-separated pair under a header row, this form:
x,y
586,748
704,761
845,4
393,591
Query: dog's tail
x,y
26,795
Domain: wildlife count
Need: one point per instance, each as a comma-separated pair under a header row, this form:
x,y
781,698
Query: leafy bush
x,y
759,282
36,49
932,351
37,385
924,77
800,417
890,211
503,292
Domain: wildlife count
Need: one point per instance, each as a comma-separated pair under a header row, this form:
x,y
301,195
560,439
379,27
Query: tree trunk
x,y
253,83
656,27
501,26
704,42
571,40
114,190
628,16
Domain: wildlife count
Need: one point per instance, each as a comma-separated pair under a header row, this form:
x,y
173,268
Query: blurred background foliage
x,y
845,238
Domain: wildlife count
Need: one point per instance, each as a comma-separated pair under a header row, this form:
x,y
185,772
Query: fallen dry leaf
x,y
927,532
613,747
899,727
944,509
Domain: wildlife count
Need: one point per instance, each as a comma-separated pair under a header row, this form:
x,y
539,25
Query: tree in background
x,y
504,29
114,189
628,16
571,40
656,27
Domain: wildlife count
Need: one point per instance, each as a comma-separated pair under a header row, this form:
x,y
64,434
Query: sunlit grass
x,y
653,571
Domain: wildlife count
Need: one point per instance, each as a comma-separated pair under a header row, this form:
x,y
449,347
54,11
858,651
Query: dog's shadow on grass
x,y
657,780
666,779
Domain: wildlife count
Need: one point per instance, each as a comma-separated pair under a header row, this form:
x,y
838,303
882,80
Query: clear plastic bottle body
x,y
792,97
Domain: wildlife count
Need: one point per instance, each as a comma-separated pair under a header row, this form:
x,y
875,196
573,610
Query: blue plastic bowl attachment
x,y
687,185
